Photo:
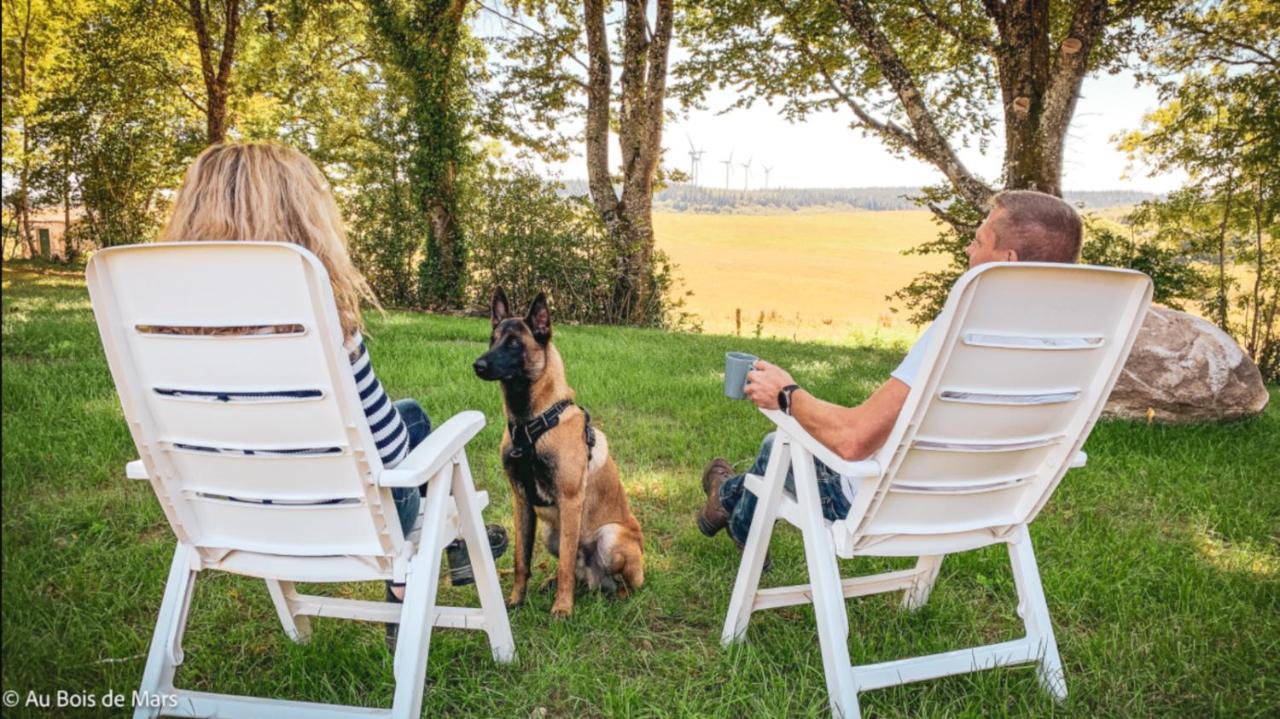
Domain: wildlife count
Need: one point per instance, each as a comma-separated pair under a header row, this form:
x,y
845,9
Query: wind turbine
x,y
695,161
728,168
767,170
746,167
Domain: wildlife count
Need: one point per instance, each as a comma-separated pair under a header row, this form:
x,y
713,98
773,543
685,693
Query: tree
x,y
549,75
629,217
31,52
925,77
424,43
1217,68
216,58
123,131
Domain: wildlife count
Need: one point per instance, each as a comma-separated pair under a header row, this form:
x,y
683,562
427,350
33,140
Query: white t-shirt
x,y
906,373
910,366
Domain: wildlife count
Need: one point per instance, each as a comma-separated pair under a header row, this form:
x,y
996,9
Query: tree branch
x,y
930,143
530,29
599,80
656,85
890,130
632,116
228,40
950,29
1087,24
202,42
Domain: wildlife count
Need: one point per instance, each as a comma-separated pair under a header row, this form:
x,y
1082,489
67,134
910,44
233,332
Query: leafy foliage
x,y
527,237
957,220
1218,71
422,40
1177,281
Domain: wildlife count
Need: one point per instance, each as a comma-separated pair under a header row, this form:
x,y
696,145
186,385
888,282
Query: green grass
x,y
1160,559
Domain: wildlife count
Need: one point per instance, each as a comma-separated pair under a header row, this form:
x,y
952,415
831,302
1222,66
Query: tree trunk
x,y
1220,302
1023,69
629,218
66,206
1259,271
423,43
24,175
24,196
216,76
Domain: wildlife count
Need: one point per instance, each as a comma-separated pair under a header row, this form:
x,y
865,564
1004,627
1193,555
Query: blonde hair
x,y
272,193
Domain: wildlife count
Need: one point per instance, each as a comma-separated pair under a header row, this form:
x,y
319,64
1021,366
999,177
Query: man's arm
x,y
852,432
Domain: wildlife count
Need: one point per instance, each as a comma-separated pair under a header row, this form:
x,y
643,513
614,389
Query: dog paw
x,y
515,600
562,609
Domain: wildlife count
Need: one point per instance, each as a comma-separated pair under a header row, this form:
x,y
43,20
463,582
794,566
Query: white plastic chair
x,y
1021,361
247,440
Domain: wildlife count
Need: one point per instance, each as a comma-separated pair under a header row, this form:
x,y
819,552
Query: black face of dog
x,y
516,346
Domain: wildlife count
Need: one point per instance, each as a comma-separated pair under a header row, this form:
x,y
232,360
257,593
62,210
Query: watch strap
x,y
784,398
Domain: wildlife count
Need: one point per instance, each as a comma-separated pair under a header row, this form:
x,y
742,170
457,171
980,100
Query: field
x,y
1160,559
813,275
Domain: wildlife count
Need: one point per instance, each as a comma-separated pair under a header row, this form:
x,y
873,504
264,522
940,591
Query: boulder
x,y
1184,369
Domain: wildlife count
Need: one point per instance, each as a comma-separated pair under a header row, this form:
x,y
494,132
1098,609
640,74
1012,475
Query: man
x,y
1021,226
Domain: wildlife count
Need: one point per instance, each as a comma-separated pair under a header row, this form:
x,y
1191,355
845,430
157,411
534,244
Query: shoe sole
x,y
462,576
706,528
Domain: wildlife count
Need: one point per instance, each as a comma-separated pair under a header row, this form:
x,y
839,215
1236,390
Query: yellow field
x,y
813,275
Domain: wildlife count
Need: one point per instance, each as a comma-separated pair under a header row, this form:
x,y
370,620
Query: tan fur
x,y
590,526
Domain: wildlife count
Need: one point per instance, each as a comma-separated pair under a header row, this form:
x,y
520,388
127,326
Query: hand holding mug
x,y
764,382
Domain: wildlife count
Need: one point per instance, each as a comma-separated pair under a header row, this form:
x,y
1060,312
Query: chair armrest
x,y
136,470
437,450
1079,460
865,468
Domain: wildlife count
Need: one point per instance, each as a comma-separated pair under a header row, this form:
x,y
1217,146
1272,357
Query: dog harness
x,y
525,435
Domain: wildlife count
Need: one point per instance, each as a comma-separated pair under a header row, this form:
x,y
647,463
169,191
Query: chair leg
x,y
166,644
297,626
927,568
422,583
471,522
1034,611
828,594
747,582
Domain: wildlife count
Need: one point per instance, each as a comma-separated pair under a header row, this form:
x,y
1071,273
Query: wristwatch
x,y
784,398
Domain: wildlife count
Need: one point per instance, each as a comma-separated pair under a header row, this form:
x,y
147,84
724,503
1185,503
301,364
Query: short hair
x,y
1039,227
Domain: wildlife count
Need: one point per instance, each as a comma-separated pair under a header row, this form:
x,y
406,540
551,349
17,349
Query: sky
x,y
822,151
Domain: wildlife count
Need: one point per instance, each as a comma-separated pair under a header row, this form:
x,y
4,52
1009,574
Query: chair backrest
x,y
1018,367
229,361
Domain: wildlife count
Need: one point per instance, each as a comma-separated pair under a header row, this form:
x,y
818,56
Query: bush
x,y
1176,280
527,238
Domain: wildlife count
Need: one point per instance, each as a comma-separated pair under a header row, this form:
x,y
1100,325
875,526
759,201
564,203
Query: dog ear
x,y
500,308
539,318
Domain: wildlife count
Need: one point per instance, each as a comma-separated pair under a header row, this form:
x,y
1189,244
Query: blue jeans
x,y
419,426
741,504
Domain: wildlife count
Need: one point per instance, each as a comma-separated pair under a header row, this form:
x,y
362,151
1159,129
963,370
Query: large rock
x,y
1185,369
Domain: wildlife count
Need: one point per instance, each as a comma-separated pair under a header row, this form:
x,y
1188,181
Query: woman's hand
x,y
764,382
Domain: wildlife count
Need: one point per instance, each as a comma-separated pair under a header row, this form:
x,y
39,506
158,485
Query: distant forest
x,y
688,198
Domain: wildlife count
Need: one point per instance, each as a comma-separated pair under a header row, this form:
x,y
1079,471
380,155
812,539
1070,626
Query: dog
x,y
558,465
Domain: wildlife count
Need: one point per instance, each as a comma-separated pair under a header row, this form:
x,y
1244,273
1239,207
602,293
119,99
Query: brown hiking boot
x,y
713,517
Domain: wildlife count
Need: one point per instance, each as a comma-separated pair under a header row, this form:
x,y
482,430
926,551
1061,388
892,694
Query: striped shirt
x,y
389,430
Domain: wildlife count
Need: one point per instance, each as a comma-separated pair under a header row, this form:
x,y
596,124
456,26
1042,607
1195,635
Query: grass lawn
x,y
1160,559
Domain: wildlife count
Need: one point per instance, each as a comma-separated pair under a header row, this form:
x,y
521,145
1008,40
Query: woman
x,y
267,192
